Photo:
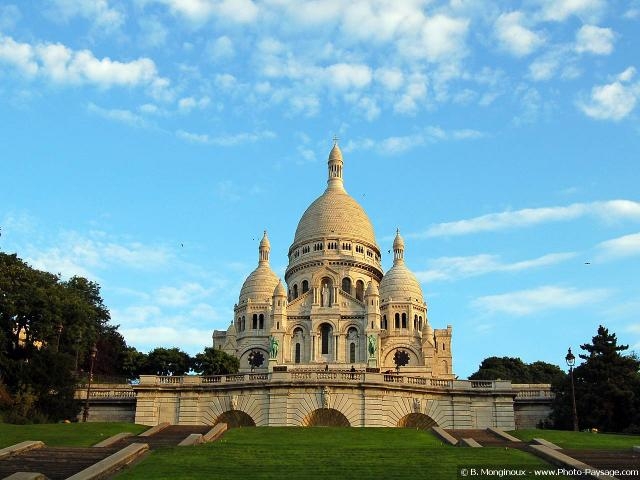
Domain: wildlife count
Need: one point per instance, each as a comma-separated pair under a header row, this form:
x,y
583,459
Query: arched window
x,y
261,321
244,325
352,352
404,320
420,322
384,322
415,322
297,359
346,285
397,324
255,321
360,290
305,286
325,331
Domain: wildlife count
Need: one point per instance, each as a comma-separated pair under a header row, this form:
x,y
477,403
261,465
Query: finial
x,y
397,231
335,139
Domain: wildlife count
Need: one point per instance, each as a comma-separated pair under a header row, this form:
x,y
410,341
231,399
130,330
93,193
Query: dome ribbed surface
x,y
335,213
399,283
259,285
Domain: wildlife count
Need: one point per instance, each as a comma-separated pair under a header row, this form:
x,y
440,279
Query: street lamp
x,y
571,361
59,330
85,413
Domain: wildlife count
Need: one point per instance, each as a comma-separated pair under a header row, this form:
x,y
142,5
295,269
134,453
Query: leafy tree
x,y
607,388
514,369
215,362
47,329
167,361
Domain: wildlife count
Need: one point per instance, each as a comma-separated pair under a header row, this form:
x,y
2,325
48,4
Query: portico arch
x,y
326,417
235,419
417,420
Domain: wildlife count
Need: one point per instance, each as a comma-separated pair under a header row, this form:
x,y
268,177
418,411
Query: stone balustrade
x,y
322,376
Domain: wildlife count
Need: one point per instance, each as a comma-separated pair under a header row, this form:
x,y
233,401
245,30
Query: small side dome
x,y
399,283
279,291
372,289
260,283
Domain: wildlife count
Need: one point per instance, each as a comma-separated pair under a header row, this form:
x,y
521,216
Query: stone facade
x,y
319,397
338,308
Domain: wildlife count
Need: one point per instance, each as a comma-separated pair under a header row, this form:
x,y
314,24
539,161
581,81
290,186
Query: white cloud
x,y
62,65
153,32
86,255
183,295
97,11
20,55
451,268
390,78
440,38
201,11
345,76
221,48
9,16
189,103
561,10
119,115
230,140
514,37
158,335
612,101
400,144
625,246
548,297
596,40
622,209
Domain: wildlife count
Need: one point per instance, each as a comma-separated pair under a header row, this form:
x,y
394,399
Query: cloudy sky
x,y
147,144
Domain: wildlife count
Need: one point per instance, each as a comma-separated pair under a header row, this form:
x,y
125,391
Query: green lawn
x,y
64,434
580,440
324,453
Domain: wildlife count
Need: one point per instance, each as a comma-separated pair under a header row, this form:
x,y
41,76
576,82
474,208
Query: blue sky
x,y
147,144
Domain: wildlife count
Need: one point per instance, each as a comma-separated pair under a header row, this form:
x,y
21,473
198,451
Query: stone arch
x,y
414,355
235,419
244,356
326,417
417,420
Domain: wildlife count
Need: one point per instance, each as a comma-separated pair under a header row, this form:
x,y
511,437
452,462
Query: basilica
x,y
336,308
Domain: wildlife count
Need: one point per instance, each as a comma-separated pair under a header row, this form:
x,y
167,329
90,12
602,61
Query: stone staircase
x,y
58,463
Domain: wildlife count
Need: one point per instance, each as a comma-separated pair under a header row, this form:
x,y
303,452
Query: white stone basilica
x,y
339,310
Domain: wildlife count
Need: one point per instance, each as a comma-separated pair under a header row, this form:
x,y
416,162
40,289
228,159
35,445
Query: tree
x,y
607,388
215,362
167,361
514,369
47,329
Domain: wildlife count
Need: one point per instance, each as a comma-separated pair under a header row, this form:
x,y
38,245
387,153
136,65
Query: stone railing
x,y
328,376
106,392
533,392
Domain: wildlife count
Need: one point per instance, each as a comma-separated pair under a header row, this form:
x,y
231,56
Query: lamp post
x,y
85,413
59,328
571,361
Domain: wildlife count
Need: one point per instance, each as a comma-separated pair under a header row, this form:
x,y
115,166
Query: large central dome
x,y
335,213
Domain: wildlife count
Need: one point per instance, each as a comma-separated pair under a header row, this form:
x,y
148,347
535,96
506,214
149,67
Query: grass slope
x,y
64,434
580,440
323,453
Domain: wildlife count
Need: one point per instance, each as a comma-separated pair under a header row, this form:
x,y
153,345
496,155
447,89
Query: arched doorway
x,y
236,419
326,417
417,420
